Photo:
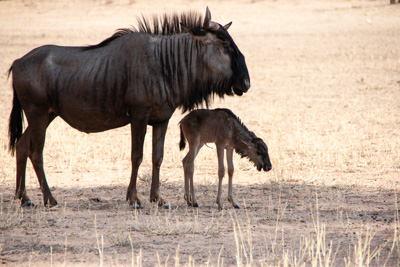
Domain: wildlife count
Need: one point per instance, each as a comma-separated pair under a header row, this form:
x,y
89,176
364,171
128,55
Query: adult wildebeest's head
x,y
223,56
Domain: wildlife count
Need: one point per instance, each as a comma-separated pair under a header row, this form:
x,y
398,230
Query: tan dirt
x,y
325,97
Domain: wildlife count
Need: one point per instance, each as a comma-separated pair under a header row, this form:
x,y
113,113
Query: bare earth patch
x,y
325,97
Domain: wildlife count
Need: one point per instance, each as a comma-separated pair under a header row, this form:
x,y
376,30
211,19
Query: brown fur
x,y
222,127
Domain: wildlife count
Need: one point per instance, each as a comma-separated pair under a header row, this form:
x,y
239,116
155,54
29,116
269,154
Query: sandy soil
x,y
325,97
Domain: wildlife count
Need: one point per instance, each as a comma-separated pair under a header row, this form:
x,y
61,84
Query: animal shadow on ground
x,y
272,212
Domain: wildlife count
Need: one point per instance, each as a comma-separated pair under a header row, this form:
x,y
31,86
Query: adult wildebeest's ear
x,y
208,24
226,27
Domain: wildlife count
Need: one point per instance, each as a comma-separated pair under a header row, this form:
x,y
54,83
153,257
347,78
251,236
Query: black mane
x,y
233,115
167,24
242,132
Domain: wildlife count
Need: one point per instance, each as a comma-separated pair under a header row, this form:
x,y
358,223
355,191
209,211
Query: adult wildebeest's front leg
x,y
138,132
229,159
157,158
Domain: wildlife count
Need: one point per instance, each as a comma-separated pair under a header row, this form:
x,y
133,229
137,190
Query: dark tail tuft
x,y
182,143
16,121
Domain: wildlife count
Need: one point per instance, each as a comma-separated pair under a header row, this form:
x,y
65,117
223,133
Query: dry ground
x,y
325,97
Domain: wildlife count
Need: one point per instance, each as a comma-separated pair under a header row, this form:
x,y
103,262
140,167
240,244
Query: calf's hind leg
x,y
188,166
229,159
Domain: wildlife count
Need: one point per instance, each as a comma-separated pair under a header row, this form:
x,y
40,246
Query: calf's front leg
x,y
229,159
221,173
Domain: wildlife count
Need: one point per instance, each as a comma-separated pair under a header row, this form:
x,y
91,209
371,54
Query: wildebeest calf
x,y
222,127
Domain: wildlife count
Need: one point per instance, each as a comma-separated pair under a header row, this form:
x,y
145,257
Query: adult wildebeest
x,y
222,127
137,76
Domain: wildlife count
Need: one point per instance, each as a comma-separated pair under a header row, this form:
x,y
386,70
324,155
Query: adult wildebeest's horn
x,y
226,27
208,24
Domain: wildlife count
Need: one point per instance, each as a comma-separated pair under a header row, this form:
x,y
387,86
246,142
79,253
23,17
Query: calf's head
x,y
262,160
257,152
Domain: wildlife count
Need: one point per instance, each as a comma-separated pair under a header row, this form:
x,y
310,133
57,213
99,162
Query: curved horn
x,y
208,24
207,19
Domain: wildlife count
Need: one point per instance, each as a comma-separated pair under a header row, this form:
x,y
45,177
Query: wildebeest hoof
x,y
166,206
96,199
195,205
28,204
137,207
51,202
236,206
159,201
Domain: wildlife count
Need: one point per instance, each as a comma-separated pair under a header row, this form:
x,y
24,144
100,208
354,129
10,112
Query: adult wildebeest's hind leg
x,y
31,145
229,159
21,157
157,158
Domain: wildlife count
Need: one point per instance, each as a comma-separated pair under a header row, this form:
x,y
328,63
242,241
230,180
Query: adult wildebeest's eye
x,y
225,43
195,32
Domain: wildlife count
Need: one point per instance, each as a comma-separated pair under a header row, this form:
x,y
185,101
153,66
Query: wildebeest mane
x,y
231,114
243,133
166,24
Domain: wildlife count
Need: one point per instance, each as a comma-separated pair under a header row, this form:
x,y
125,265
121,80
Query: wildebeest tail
x,y
182,143
15,126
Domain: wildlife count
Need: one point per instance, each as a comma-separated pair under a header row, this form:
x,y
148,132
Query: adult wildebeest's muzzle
x,y
242,80
241,86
